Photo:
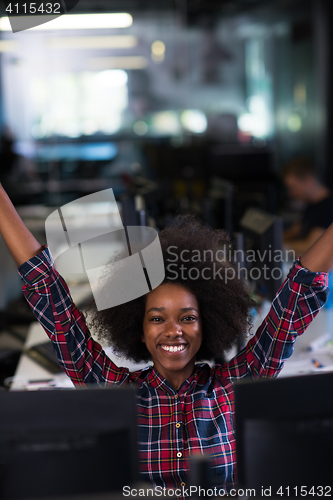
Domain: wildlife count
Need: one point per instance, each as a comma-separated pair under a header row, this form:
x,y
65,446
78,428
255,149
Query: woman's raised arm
x,y
19,240
319,257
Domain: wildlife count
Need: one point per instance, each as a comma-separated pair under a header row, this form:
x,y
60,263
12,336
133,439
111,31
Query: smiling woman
x,y
184,407
122,326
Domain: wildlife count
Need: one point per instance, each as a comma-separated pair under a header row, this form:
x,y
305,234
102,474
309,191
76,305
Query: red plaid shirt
x,y
198,418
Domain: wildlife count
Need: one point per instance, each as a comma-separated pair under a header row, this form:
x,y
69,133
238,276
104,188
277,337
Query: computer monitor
x,y
132,215
284,432
67,442
263,237
241,163
218,206
252,171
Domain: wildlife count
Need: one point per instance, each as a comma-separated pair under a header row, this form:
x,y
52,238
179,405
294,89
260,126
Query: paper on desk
x,y
307,362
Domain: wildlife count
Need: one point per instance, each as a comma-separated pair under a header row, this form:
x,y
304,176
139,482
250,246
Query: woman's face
x,y
172,331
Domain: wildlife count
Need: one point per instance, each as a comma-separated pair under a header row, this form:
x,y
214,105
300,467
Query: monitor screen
x,y
284,431
263,236
67,442
218,206
241,163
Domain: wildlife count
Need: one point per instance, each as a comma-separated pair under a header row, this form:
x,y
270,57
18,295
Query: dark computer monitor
x,y
217,207
252,171
67,442
241,162
131,216
284,432
263,238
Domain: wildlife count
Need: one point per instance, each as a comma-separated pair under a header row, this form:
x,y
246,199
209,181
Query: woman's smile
x,y
174,348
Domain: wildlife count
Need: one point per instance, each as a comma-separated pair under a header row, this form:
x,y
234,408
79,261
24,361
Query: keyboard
x,y
44,355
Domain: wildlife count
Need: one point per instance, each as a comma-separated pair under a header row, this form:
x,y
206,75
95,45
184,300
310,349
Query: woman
x,y
184,407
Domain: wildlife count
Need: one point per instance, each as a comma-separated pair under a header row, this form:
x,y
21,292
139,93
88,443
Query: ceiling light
x,y
93,42
166,122
74,21
8,45
194,120
158,48
158,51
253,124
111,78
125,62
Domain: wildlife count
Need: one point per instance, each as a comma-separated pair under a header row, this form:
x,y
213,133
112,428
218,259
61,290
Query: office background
x,y
180,107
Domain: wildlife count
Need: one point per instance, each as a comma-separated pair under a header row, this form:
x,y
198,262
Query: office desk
x,y
305,360
30,375
27,369
28,372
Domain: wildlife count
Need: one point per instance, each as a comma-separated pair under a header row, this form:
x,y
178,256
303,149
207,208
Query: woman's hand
x,y
319,257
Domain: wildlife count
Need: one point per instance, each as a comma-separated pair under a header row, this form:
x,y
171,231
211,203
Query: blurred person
x,y
303,184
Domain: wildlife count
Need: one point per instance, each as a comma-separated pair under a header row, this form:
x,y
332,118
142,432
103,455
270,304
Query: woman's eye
x,y
159,320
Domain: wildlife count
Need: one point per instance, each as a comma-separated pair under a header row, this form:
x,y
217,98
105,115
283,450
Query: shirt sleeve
x,y
81,357
295,305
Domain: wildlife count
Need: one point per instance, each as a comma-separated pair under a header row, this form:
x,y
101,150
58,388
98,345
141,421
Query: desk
x,y
29,371
302,359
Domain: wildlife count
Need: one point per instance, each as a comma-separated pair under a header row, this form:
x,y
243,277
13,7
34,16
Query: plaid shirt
x,y
198,418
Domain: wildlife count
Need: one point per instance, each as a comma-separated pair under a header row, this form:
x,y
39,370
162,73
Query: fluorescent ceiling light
x,y
194,120
93,42
76,21
158,51
8,45
130,62
158,48
111,78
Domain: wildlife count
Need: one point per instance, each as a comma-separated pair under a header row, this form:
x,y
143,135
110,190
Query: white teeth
x,y
173,348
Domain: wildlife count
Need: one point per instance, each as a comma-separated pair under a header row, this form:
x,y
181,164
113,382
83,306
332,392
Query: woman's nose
x,y
174,330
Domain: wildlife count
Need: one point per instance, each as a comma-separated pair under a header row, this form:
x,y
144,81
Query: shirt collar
x,y
155,379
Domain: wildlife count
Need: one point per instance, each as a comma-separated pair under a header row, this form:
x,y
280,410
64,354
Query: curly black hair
x,y
192,256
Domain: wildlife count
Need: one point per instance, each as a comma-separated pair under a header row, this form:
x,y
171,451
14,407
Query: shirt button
x,y
177,425
183,484
176,396
179,454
